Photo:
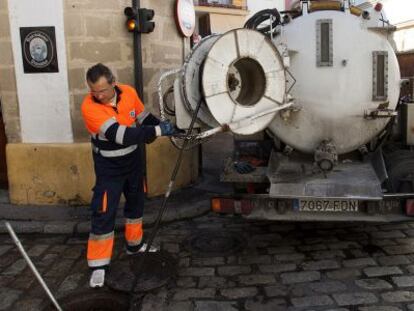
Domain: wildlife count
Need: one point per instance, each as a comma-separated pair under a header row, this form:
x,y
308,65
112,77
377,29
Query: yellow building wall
x,y
50,174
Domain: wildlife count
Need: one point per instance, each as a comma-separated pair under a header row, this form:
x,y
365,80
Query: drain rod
x,y
154,232
31,265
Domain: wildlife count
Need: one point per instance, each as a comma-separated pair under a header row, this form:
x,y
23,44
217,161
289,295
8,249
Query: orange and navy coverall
x,y
116,135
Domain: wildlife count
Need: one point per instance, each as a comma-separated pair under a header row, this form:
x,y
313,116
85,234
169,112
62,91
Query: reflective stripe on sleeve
x,y
99,137
106,125
142,116
120,132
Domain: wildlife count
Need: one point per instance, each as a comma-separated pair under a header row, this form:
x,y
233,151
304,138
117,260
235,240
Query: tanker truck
x,y
312,97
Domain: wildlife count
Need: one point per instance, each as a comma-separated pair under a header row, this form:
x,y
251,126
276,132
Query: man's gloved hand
x,y
243,167
167,128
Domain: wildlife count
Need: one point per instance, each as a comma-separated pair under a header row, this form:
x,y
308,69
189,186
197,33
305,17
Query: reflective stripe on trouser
x,y
100,249
133,231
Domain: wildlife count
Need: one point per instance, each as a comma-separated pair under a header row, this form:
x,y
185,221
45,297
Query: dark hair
x,y
97,71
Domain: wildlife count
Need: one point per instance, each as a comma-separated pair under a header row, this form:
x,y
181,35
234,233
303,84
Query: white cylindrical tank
x,y
335,96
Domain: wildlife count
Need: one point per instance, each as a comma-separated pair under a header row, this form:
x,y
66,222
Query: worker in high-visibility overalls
x,y
118,123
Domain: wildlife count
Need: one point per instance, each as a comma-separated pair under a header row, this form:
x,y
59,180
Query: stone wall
x,y
8,91
95,32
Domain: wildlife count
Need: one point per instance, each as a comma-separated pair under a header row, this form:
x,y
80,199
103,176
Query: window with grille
x,y
324,43
380,75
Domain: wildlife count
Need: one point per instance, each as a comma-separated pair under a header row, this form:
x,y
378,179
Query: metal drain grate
x,y
93,300
158,269
213,244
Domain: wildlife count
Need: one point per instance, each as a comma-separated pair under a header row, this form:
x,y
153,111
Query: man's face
x,y
102,90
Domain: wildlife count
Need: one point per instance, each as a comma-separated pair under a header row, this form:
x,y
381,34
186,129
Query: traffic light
x,y
132,21
139,20
145,19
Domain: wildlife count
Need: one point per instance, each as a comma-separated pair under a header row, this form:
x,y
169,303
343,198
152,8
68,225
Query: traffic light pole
x,y
139,21
137,50
139,79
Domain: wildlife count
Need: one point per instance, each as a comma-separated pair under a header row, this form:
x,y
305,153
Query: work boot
x,y
97,278
141,249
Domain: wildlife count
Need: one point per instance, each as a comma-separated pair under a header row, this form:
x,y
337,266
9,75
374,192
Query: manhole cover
x,y
93,300
372,249
158,269
215,244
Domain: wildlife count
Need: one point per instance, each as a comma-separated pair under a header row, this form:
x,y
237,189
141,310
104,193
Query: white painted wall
x,y
43,97
257,5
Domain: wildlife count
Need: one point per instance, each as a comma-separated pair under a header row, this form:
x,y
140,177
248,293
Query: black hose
x,y
168,110
257,19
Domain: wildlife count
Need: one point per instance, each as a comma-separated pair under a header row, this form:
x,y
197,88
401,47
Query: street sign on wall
x,y
185,17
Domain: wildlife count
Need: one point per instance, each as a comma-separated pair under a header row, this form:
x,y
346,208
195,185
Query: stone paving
x,y
282,266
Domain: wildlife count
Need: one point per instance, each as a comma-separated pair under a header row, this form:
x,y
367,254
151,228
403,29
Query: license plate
x,y
329,205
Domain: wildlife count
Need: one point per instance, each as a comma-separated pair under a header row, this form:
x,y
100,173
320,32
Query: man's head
x,y
101,82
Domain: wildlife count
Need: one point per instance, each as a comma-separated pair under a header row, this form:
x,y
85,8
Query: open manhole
x,y
213,244
93,300
158,269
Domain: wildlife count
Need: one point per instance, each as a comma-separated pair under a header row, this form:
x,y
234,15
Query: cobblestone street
x,y
280,266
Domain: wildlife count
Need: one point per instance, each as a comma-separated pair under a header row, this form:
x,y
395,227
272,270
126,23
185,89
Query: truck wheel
x,y
400,165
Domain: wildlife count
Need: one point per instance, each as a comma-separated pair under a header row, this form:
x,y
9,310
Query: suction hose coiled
x,y
260,17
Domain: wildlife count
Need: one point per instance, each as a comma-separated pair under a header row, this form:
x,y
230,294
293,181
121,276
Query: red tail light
x,y
231,206
409,207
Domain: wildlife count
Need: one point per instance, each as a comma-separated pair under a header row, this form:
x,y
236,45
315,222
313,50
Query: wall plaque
x,y
39,49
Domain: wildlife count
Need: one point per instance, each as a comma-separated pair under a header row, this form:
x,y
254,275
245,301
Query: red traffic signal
x,y
139,20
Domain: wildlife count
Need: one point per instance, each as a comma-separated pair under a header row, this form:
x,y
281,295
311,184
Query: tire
x,y
400,167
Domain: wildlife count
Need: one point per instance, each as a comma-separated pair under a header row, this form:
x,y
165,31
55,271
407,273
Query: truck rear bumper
x,y
391,208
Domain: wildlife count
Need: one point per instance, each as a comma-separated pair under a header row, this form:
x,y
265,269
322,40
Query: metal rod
x,y
166,196
242,122
31,265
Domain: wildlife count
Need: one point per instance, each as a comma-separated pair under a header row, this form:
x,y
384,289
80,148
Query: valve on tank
x,y
326,156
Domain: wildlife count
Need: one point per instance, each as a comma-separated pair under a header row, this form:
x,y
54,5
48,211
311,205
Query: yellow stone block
x,y
50,174
43,174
